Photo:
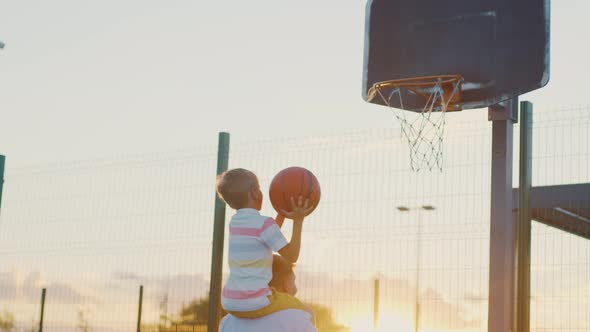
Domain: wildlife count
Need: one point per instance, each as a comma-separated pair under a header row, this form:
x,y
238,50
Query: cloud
x,y
65,293
343,293
476,298
8,288
169,291
125,276
175,286
438,312
27,287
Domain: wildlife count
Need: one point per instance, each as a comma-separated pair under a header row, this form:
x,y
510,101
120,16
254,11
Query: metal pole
x,y
139,310
218,238
376,304
421,210
418,267
502,230
523,285
2,162
43,292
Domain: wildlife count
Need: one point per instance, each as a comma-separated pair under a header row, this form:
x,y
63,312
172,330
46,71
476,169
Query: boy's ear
x,y
256,193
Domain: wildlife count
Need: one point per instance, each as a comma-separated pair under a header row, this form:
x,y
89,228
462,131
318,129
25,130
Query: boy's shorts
x,y
278,301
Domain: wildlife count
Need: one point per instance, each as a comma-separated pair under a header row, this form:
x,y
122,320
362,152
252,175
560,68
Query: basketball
x,y
294,182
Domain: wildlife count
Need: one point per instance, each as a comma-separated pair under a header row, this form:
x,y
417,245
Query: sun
x,y
387,323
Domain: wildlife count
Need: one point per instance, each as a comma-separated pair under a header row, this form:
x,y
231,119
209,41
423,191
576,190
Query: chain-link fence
x,y
92,232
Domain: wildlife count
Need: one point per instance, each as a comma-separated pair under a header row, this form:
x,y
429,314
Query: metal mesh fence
x,y
92,232
358,232
560,261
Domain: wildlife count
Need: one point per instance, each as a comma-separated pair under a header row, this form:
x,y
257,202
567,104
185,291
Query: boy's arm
x,y
298,211
291,251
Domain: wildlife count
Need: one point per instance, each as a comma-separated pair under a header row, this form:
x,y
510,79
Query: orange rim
x,y
422,81
415,84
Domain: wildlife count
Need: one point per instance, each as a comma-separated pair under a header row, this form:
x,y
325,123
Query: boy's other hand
x,y
298,210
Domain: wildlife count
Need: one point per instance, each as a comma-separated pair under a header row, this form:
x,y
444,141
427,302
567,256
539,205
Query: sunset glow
x,y
387,323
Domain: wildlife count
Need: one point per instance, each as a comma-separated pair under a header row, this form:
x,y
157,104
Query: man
x,y
289,320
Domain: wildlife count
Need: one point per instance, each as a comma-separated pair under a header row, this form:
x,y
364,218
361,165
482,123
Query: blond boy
x,y
252,240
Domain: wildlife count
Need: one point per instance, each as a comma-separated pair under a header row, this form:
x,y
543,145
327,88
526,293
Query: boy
x,y
252,240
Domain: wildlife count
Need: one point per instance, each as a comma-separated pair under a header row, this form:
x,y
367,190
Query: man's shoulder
x,y
286,314
292,313
292,319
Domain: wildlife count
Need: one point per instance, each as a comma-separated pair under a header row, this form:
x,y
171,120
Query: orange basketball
x,y
294,182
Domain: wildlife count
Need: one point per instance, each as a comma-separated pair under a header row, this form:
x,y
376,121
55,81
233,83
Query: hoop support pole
x,y
502,228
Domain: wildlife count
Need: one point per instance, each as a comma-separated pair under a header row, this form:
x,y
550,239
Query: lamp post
x,y
420,209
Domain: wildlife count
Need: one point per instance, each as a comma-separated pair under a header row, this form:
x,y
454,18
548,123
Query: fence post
x,y
218,238
376,304
2,161
139,310
42,309
523,285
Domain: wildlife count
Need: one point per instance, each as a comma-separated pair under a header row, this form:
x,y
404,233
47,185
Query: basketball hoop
x,y
424,132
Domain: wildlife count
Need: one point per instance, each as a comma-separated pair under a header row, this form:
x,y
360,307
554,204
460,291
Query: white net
x,y
423,130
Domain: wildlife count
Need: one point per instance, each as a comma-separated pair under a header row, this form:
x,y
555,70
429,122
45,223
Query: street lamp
x,y
420,209
423,207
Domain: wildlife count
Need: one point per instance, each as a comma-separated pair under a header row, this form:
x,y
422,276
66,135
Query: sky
x,y
85,80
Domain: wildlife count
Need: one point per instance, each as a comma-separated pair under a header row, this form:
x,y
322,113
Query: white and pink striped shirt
x,y
252,240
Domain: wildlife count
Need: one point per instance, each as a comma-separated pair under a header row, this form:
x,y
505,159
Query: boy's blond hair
x,y
233,186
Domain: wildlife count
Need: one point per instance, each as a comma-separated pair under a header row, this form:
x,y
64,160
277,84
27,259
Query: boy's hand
x,y
299,210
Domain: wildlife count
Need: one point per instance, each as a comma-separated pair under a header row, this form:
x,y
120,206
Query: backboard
x,y
499,47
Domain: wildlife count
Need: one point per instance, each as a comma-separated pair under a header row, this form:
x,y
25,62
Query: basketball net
x,y
423,131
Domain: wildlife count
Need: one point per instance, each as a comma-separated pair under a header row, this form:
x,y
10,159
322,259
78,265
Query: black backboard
x,y
499,47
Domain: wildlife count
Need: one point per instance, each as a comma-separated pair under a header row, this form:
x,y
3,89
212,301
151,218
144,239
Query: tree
x,y
6,322
324,319
83,325
197,312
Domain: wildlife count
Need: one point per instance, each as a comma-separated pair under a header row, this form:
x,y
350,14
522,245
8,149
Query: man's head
x,y
283,277
239,188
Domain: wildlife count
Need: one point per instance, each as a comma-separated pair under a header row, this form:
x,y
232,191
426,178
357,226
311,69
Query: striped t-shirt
x,y
252,240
